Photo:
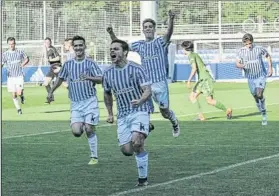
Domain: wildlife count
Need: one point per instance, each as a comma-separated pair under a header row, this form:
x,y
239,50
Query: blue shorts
x,y
138,121
85,111
256,83
160,93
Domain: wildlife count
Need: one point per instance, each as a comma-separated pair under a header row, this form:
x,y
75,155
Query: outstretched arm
x,y
168,35
270,70
111,33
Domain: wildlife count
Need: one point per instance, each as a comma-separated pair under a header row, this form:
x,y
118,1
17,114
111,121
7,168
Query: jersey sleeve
x,y
106,85
134,46
95,70
23,55
142,77
63,74
162,41
264,52
192,60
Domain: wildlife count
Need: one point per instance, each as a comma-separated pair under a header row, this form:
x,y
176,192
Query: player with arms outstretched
x,y
250,59
154,59
131,87
204,84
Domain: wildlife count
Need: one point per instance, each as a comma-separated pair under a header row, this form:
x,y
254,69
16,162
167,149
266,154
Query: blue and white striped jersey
x,y
253,61
126,83
153,57
13,60
80,89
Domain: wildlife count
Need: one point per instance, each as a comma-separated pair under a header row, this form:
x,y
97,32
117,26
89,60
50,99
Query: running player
x,y
154,59
204,84
15,60
82,74
250,59
131,87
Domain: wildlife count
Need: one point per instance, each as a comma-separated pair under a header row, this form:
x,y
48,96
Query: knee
x,y
137,145
209,102
128,154
126,151
89,129
165,113
77,130
259,95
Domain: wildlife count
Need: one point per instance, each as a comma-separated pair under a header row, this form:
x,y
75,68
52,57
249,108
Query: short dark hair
x,y
68,39
47,38
124,44
247,37
10,39
77,37
149,20
187,45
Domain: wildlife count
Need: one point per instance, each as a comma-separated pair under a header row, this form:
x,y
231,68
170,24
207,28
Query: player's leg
x,y
151,105
193,97
91,114
11,86
124,136
260,84
20,88
139,127
207,90
160,92
49,76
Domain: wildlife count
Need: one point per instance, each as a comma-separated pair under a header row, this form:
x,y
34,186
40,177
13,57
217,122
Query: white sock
x,y
142,164
93,145
16,103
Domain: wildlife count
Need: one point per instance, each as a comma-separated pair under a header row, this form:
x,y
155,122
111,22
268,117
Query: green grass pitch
x,y
41,157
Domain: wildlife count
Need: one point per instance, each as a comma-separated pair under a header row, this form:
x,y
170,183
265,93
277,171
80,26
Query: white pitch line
x,y
152,145
108,125
195,176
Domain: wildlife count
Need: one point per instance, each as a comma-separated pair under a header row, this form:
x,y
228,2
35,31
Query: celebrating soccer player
x,y
82,74
15,60
131,87
204,84
154,59
249,58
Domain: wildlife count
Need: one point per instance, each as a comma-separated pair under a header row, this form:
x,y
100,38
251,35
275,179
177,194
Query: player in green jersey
x,y
204,85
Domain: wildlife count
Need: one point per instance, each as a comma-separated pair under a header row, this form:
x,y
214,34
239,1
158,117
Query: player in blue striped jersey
x,y
153,57
131,87
250,59
15,60
82,75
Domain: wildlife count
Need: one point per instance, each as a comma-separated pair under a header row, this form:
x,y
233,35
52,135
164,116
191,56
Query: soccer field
x,y
41,157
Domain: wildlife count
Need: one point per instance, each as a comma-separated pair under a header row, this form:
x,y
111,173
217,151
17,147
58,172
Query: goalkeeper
x,y
204,84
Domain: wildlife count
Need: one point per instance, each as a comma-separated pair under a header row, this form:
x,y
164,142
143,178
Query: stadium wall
x,y
220,71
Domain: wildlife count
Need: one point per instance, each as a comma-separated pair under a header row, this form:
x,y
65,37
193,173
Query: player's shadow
x,y
247,115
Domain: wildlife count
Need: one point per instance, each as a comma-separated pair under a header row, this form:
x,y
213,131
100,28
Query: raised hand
x,y
109,29
171,14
